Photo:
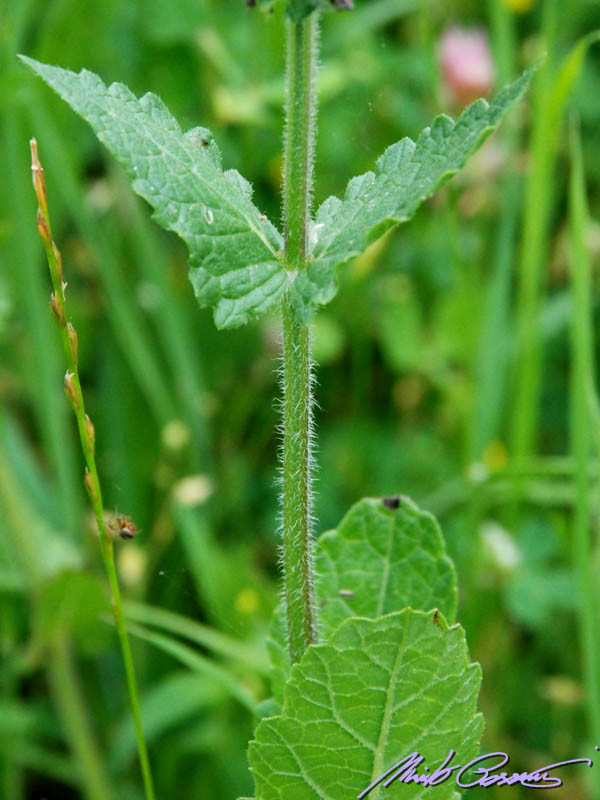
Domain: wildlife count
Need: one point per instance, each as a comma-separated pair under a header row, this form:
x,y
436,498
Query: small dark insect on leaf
x,y
204,143
436,618
250,3
392,502
346,593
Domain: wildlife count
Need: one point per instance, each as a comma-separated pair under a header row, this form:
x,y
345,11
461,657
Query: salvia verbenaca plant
x,y
368,663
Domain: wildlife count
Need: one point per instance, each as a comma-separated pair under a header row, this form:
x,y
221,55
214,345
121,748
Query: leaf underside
x,y
354,706
234,250
378,560
236,254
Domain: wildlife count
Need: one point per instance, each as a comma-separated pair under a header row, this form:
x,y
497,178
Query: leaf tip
x,y
29,62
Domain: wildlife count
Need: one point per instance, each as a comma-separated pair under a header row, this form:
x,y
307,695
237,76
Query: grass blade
x,y
193,660
202,635
582,387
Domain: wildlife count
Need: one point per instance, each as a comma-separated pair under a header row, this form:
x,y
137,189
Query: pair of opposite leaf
x,y
236,255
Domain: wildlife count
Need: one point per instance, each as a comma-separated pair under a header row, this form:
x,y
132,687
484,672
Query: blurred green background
x,y
445,373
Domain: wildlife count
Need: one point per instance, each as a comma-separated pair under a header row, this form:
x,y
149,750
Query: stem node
x,y
57,309
71,389
73,341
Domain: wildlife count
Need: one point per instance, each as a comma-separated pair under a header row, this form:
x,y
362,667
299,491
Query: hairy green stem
x,y
296,498
296,370
299,136
87,437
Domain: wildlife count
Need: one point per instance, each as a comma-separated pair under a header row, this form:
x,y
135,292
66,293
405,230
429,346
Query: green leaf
x,y
195,661
406,174
561,86
378,691
173,701
279,654
73,604
202,635
380,559
234,250
299,9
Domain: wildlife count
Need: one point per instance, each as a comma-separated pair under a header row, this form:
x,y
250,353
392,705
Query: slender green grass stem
x,y
296,370
66,690
490,365
582,439
538,200
12,778
51,416
204,666
504,40
124,316
87,437
491,361
92,779
218,643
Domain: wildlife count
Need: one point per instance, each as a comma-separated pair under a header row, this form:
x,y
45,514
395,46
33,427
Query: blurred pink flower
x,y
466,62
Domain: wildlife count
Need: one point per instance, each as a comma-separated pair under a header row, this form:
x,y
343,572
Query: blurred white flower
x,y
501,547
193,490
132,561
478,472
175,435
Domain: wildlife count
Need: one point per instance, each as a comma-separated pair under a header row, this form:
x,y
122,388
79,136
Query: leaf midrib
x,y
387,715
204,181
106,109
371,189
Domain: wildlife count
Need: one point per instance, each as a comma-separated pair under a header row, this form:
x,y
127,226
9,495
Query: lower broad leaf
x,y
358,704
385,555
